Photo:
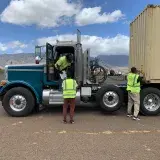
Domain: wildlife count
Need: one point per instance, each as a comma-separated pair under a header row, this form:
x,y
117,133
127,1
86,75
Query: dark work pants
x,y
69,102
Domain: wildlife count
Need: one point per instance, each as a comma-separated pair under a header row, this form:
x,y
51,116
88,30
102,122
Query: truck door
x,y
86,70
49,62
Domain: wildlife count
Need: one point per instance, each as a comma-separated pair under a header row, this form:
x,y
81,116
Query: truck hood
x,y
25,66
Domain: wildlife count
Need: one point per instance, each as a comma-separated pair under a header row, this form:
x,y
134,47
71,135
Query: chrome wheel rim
x,y
151,102
17,103
110,99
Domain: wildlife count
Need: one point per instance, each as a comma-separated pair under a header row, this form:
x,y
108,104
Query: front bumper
x,y
1,88
3,83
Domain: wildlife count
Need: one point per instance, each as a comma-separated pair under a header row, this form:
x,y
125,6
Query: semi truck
x,y
26,87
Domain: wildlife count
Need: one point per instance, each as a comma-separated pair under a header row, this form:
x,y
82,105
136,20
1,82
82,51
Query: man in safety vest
x,y
62,64
69,86
133,88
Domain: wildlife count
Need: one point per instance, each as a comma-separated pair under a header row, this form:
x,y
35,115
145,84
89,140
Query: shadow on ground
x,y
80,110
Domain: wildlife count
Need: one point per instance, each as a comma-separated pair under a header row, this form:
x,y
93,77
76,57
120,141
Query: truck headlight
x,y
6,72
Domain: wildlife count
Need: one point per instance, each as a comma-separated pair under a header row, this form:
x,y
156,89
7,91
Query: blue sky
x,y
24,23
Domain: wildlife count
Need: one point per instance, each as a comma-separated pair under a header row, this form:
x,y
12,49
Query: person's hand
x,y
138,72
144,80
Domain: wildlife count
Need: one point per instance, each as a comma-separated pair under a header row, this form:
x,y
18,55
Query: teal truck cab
x,y
26,87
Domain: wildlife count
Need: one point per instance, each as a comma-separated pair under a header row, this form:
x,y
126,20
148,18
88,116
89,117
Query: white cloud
x,y
3,47
53,13
98,45
93,16
127,22
16,44
12,45
18,51
44,13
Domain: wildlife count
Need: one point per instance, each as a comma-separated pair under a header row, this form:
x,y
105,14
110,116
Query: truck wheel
x,y
18,102
110,98
150,101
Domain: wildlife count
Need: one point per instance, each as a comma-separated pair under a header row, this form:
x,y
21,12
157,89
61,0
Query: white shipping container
x,y
145,43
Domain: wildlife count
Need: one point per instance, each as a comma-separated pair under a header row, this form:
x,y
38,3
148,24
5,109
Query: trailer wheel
x,y
110,98
18,102
150,101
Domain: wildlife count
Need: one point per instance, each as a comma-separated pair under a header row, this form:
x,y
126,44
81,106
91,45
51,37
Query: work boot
x,y
72,121
64,121
136,118
129,115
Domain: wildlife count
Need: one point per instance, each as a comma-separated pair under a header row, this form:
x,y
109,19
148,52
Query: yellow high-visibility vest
x,y
132,84
63,63
69,88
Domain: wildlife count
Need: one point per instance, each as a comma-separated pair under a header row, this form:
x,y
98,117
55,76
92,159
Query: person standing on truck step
x,y
62,65
69,86
133,88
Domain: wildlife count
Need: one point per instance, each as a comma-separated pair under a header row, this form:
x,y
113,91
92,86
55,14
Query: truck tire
x,y
18,102
110,98
102,72
150,101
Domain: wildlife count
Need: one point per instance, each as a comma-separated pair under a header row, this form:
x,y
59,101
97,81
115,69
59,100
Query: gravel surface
x,y
95,135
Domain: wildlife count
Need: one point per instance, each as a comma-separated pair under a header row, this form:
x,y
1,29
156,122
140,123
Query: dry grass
x,y
1,76
1,70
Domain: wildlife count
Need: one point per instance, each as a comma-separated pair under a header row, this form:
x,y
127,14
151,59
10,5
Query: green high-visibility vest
x,y
63,63
132,84
69,88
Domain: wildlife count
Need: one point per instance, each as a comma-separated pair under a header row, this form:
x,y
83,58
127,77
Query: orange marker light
x,y
3,83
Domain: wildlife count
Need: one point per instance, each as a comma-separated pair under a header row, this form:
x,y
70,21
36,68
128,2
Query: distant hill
x,y
112,60
20,58
115,60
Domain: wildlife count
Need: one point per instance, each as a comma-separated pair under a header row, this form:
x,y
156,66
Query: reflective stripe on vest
x,y
66,87
69,88
134,82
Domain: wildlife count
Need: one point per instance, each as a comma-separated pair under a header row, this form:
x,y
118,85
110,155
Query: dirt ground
x,y
95,135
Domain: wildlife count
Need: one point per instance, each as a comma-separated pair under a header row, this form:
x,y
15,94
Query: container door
x,y
86,66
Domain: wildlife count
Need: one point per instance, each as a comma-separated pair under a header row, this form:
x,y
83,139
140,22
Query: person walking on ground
x,y
69,86
133,88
